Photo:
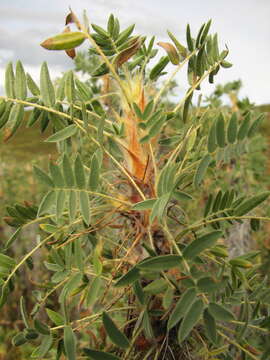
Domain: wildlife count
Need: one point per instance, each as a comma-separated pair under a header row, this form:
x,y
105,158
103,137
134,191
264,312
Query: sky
x,y
241,24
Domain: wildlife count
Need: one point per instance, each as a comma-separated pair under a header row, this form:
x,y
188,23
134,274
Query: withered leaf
x,y
126,54
72,19
171,51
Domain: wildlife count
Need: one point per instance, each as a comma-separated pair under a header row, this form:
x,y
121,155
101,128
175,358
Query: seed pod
x,y
65,41
241,263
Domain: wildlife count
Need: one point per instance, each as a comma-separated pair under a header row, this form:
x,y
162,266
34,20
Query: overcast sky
x,y
242,24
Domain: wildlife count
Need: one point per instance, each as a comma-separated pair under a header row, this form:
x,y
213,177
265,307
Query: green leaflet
x,y
55,317
79,172
207,284
20,82
12,238
23,312
2,107
14,120
243,129
166,180
70,343
46,86
100,70
200,244
160,263
232,129
186,106
6,112
45,346
73,283
198,38
93,291
115,335
110,24
251,203
70,87
4,295
159,207
205,31
211,144
85,91
154,129
220,131
189,39
34,116
60,276
155,287
168,298
7,262
182,306
10,81
182,50
60,90
201,170
85,206
148,110
144,205
137,111
181,195
210,326
123,36
32,86
47,202
56,175
191,318
99,30
254,126
94,173
128,278
219,312
217,201
99,355
63,134
208,205
79,255
42,176
68,172
41,327
138,291
60,203
147,326
215,49
72,207
159,67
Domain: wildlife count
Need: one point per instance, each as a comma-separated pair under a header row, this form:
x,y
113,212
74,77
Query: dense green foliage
x,y
131,258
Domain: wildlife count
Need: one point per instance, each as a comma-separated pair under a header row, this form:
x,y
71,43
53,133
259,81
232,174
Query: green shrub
x,y
134,222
